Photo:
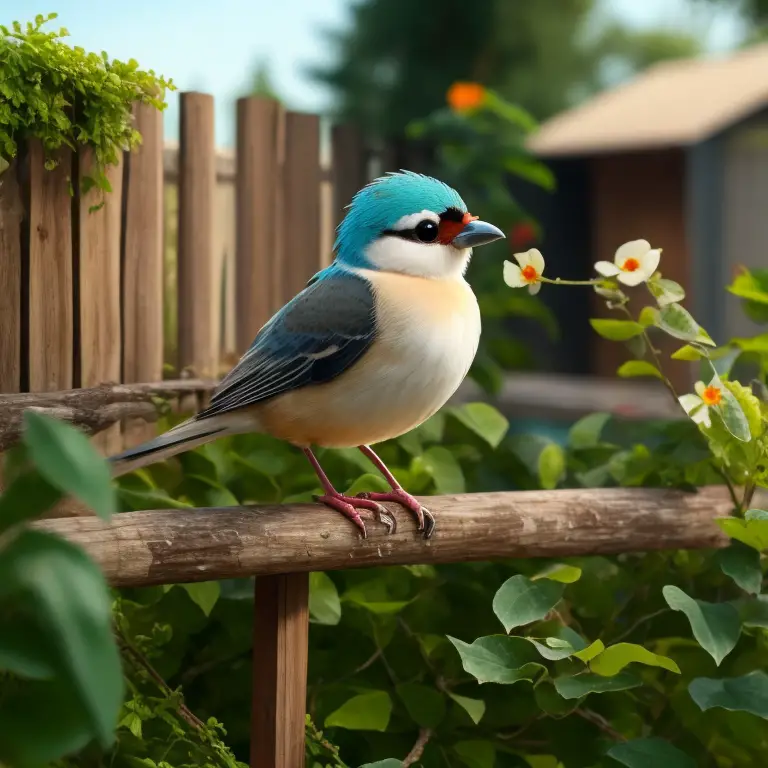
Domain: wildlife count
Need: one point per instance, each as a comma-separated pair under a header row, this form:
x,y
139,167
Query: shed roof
x,y
671,104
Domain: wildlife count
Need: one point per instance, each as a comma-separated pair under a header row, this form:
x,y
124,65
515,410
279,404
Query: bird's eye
x,y
426,231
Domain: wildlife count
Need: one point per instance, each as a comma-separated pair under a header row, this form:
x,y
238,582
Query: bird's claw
x,y
349,506
424,518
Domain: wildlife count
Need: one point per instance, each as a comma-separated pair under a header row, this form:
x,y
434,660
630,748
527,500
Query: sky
x,y
214,45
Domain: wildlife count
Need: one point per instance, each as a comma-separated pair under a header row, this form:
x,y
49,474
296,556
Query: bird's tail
x,y
184,437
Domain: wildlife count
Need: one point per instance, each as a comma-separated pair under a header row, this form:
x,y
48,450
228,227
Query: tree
x,y
261,82
397,58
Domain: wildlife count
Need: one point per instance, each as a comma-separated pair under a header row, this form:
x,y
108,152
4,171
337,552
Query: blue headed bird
x,y
371,348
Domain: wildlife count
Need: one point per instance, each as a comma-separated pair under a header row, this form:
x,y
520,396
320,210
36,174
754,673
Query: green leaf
x,y
204,594
324,602
475,708
484,420
732,413
69,596
751,531
26,651
566,574
742,564
650,753
580,685
753,612
648,316
442,466
634,368
614,658
587,654
520,601
531,170
715,626
368,482
389,763
27,497
476,754
688,353
616,330
666,291
365,712
498,658
551,466
65,457
585,433
679,323
425,705
748,693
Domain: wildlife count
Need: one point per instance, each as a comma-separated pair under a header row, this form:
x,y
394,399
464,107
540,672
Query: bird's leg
x,y
349,505
424,518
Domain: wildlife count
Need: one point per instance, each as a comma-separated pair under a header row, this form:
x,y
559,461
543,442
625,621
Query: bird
x,y
374,344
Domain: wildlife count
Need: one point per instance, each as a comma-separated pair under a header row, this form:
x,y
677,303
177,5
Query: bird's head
x,y
412,224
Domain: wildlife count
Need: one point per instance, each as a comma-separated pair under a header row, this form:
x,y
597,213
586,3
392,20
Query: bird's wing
x,y
315,337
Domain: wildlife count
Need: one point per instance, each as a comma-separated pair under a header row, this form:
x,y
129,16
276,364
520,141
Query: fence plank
x,y
11,214
259,122
198,288
143,262
165,547
99,281
349,167
280,648
51,314
301,202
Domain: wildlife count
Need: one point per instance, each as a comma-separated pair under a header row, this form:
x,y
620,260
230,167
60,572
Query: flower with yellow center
x,y
527,271
463,97
634,263
697,406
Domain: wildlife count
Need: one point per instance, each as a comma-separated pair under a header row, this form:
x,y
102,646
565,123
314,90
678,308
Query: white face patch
x,y
408,257
405,223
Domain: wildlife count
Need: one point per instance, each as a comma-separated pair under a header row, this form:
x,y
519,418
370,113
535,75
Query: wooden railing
x,y
282,544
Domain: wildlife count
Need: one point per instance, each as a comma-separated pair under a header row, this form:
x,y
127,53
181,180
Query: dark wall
x,y
565,218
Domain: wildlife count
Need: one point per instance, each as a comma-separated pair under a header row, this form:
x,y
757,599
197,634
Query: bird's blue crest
x,y
378,205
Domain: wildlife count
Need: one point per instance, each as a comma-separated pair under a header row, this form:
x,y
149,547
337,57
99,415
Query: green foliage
x,y
64,96
62,685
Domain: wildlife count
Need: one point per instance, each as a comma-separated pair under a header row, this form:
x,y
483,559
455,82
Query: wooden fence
x,y
191,241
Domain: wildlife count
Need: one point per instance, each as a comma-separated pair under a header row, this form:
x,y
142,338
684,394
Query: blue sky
x,y
213,46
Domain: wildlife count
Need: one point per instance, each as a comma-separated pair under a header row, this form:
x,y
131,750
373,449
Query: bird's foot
x,y
424,518
349,506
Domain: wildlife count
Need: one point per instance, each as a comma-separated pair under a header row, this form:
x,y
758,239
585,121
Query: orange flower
x,y
465,96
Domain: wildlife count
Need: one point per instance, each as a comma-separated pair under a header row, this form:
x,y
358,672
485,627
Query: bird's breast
x,y
427,332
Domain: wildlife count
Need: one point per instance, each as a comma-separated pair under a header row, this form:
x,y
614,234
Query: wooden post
x,y
143,263
280,648
11,214
99,280
301,202
348,164
197,288
50,272
259,125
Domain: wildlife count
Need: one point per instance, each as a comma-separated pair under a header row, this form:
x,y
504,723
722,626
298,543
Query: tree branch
x,y
418,748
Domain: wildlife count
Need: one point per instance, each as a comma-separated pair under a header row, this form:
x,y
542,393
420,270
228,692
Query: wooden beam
x,y
176,546
11,215
280,650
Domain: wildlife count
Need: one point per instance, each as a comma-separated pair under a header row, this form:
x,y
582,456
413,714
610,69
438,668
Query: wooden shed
x,y
678,156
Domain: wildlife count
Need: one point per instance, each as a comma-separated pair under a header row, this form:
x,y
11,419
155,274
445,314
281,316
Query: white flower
x,y
697,406
634,263
528,273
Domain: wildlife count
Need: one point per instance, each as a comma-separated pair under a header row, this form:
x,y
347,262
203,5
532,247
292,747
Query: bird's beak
x,y
477,233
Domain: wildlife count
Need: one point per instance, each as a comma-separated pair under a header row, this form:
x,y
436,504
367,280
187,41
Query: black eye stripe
x,y
426,231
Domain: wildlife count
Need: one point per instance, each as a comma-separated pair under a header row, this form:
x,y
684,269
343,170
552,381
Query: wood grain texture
x,y
51,297
143,263
100,333
301,255
257,189
163,547
280,648
198,288
11,214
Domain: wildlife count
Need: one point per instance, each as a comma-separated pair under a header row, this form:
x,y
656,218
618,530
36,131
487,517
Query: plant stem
x,y
600,722
560,281
642,620
749,492
140,660
737,505
418,748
